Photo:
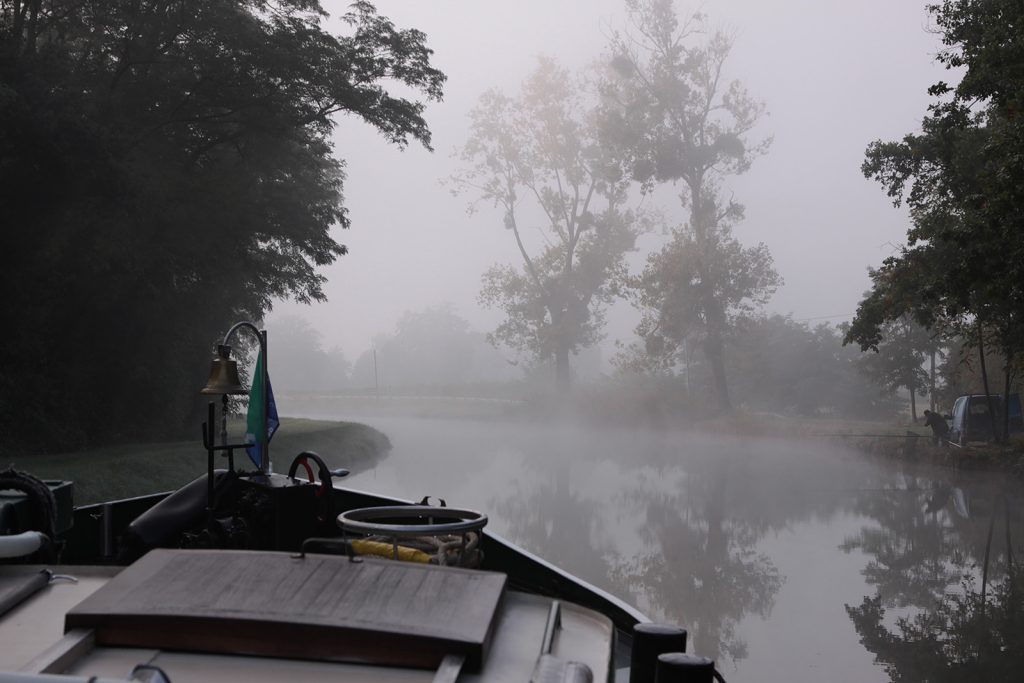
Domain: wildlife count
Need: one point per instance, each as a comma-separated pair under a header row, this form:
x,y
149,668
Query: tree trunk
x,y
714,350
1007,378
984,383
714,313
714,316
715,355
913,404
563,378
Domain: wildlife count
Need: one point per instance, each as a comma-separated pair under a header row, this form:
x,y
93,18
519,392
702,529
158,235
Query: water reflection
x,y
787,561
699,565
671,546
680,530
558,522
948,595
915,545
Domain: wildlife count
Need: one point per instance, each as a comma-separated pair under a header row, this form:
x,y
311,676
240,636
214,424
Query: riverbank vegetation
x,y
168,168
129,470
961,271
152,206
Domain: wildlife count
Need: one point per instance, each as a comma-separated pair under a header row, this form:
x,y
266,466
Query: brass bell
x,y
223,374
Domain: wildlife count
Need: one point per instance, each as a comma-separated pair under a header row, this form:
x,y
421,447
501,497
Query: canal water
x,y
786,560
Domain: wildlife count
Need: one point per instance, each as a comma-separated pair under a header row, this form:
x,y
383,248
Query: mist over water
x,y
655,216
833,77
760,547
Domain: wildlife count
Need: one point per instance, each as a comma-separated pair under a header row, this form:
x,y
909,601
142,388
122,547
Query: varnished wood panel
x,y
319,607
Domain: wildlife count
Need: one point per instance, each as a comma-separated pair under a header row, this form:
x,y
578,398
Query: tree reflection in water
x,y
550,517
668,534
699,566
948,596
917,548
678,524
680,529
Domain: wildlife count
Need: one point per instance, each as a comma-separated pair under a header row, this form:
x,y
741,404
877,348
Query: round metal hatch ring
x,y
373,521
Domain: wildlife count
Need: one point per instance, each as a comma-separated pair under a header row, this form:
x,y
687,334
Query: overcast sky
x,y
833,74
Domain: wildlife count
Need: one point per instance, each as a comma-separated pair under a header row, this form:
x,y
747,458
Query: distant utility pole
x,y
376,381
931,375
686,368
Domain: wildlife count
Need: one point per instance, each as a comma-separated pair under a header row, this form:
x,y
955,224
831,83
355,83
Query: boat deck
x,y
423,623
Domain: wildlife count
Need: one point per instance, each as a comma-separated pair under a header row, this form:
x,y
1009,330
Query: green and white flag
x,y
256,421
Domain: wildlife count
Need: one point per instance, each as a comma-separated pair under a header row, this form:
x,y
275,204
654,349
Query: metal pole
x,y
208,437
376,382
264,440
223,420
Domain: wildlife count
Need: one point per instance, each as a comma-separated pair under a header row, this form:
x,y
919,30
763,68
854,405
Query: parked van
x,y
971,421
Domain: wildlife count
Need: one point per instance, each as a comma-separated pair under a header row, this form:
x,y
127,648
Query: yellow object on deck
x,y
387,550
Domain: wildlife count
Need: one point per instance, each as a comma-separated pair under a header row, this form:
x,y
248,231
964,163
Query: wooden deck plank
x,y
318,607
448,672
57,658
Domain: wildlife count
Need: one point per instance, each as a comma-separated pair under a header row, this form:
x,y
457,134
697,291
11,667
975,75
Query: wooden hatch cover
x,y
316,607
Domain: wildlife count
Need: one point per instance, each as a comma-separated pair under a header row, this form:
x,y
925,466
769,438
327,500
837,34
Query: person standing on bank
x,y
940,430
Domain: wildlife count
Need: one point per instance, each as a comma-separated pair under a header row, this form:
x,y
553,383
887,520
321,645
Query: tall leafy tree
x,y
537,157
431,349
899,362
166,168
960,178
681,122
301,364
784,366
960,371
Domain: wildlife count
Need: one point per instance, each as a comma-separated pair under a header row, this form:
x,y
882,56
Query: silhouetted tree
x,y
960,370
898,362
960,178
299,361
681,123
433,348
166,170
536,156
783,366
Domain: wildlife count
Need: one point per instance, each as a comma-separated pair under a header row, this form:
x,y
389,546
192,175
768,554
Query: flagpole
x,y
262,438
265,465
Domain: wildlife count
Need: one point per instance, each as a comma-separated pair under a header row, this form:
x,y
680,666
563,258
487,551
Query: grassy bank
x,y
138,469
889,440
770,424
1008,458
390,405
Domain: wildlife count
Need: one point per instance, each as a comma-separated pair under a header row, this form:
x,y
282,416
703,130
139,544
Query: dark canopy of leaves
x,y
900,358
961,179
165,169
